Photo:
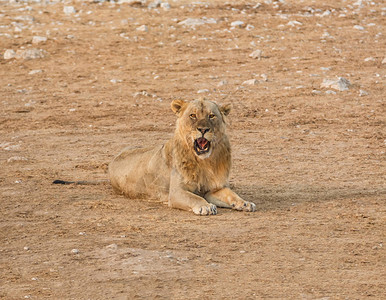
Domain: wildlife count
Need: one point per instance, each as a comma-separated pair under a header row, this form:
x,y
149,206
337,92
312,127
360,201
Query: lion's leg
x,y
186,200
227,198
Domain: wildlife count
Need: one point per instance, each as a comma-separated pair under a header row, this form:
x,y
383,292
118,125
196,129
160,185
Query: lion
x,y
191,170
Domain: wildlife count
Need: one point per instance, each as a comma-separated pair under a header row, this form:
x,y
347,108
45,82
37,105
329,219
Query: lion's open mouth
x,y
201,145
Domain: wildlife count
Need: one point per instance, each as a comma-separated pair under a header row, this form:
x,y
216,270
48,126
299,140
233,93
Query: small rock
x,y
341,84
384,61
143,28
256,54
9,54
238,24
249,27
369,59
112,247
30,54
250,82
26,248
75,251
16,158
196,22
33,72
39,39
69,10
264,76
222,83
316,92
358,27
294,23
202,91
363,93
329,92
115,80
165,6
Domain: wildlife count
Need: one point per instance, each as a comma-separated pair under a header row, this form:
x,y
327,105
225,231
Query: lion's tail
x,y
82,182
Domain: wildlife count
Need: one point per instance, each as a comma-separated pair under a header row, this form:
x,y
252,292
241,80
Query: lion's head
x,y
200,124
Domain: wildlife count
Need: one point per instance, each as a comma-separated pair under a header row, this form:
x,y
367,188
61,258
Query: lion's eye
x,y
212,116
192,116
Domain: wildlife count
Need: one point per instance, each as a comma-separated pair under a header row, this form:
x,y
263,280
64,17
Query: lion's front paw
x,y
245,206
209,209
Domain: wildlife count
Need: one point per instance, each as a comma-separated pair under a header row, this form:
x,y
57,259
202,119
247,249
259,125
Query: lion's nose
x,y
203,130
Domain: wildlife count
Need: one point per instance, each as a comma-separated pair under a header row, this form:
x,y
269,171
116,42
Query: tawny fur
x,y
179,172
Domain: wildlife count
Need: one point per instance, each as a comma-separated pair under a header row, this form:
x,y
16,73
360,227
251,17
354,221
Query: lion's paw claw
x,y
209,209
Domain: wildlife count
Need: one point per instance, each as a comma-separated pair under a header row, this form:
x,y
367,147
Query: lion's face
x,y
200,124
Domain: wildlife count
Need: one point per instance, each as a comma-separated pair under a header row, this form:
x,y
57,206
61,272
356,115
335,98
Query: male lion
x,y
190,171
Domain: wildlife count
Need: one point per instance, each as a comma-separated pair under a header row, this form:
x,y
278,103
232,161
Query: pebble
x,y
384,61
165,6
363,93
75,251
39,39
30,53
112,247
33,72
358,27
9,54
237,24
143,28
222,83
341,84
294,23
256,54
26,248
250,82
249,27
16,158
69,10
202,91
196,22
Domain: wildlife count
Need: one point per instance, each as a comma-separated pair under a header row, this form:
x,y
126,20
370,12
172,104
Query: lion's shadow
x,y
280,197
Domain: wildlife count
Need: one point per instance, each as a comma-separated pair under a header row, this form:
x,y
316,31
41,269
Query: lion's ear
x,y
225,109
177,106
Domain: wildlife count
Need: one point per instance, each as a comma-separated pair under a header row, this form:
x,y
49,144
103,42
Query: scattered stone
x,y
341,84
39,39
143,28
384,61
256,54
222,83
358,27
329,92
165,6
369,59
196,22
250,82
9,54
26,248
112,247
16,158
363,93
316,92
30,53
202,91
238,24
249,27
69,10
33,72
264,76
115,81
75,251
294,23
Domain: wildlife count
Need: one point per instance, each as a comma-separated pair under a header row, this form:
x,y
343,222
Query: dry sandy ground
x,y
311,158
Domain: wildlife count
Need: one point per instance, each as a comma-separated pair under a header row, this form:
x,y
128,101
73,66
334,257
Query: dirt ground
x,y
311,158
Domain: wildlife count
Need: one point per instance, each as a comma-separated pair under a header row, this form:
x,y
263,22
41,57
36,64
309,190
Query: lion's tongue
x,y
202,142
